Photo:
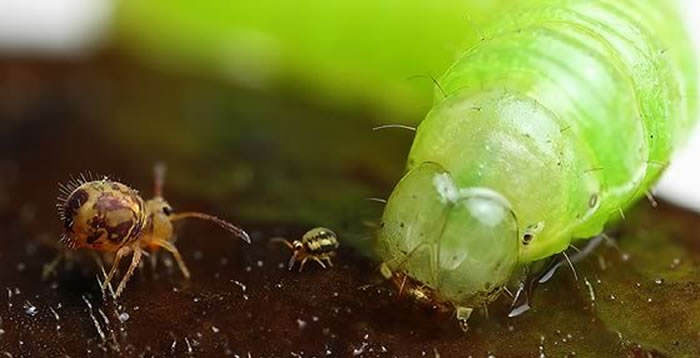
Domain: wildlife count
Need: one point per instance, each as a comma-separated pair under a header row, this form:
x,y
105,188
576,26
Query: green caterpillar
x,y
541,134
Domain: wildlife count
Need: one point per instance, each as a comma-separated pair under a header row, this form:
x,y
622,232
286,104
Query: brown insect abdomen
x,y
103,215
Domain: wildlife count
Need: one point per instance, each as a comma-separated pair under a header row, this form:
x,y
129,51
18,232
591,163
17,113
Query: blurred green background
x,y
376,54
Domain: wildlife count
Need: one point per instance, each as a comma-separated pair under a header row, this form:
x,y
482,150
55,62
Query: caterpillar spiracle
x,y
559,119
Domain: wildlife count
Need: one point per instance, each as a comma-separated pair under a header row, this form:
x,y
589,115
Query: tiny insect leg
x,y
319,261
178,258
135,260
303,262
115,264
328,260
292,261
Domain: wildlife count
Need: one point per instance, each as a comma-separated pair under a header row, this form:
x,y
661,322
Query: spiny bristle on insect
x,y
73,183
67,241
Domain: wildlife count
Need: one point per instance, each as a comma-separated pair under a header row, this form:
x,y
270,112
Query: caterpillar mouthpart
x,y
461,242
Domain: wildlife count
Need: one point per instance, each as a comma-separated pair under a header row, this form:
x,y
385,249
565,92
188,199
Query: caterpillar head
x,y
462,243
100,214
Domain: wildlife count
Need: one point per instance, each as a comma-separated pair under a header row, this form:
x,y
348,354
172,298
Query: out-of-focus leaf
x,y
354,52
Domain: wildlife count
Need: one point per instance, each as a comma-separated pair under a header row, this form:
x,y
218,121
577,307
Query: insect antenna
x,y
282,241
158,179
221,223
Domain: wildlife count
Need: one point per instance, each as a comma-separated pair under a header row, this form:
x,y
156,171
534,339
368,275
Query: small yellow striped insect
x,y
108,216
318,244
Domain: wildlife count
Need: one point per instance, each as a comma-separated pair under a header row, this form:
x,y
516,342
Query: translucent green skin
x,y
569,111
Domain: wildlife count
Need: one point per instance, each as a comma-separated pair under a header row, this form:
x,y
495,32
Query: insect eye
x,y
167,210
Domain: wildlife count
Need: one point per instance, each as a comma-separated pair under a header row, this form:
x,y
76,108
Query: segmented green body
x,y
563,116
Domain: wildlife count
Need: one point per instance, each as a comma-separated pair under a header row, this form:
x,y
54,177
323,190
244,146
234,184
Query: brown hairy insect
x,y
108,216
317,244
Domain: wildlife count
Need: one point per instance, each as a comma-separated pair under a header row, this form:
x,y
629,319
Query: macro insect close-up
x,y
318,244
105,215
453,178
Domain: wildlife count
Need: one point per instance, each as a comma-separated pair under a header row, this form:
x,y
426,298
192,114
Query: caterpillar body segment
x,y
564,115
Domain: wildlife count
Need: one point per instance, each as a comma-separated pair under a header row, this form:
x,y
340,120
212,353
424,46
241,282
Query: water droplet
x,y
241,285
123,317
30,309
659,281
361,349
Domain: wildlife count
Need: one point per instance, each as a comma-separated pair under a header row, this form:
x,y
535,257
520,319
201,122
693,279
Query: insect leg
x,y
135,260
328,260
303,262
315,258
178,258
115,265
292,260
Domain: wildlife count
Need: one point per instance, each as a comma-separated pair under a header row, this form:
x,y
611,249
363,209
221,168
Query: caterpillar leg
x,y
115,264
135,260
176,254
